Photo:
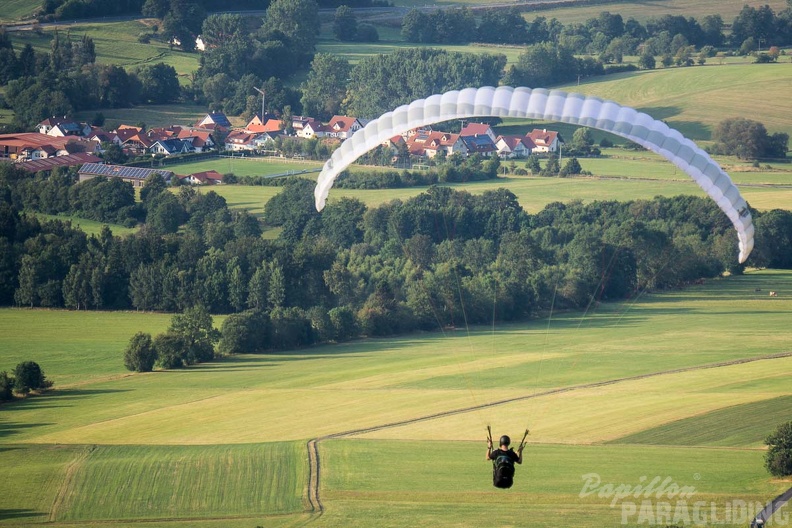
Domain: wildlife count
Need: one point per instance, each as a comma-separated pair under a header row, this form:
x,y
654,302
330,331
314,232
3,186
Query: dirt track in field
x,y
314,462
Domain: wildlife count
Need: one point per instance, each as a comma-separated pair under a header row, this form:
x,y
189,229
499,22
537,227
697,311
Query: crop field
x,y
222,444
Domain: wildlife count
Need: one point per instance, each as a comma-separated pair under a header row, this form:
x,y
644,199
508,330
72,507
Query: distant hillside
x,y
695,99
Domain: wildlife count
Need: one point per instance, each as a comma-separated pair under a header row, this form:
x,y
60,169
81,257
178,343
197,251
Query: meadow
x,y
116,43
620,175
643,11
14,10
618,391
89,227
694,100
223,443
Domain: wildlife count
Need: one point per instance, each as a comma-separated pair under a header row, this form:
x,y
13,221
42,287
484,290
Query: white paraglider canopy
x,y
550,105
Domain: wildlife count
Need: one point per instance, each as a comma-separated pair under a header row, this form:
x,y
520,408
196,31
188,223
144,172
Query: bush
x,y
170,349
367,33
247,332
29,376
6,386
140,355
343,323
778,459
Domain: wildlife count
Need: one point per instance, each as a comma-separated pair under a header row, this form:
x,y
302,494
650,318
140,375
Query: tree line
x,y
607,35
442,258
69,9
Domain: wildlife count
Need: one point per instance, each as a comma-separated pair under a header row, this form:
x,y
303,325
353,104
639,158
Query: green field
x,y
694,100
90,227
354,52
151,115
642,11
222,444
653,387
14,10
535,192
116,43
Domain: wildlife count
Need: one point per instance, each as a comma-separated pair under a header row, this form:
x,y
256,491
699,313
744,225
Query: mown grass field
x,y
547,487
222,444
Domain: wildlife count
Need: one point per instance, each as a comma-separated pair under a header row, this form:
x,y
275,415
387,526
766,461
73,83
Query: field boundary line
x,y
314,466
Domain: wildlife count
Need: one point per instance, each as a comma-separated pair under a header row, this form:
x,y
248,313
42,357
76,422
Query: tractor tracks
x,y
314,463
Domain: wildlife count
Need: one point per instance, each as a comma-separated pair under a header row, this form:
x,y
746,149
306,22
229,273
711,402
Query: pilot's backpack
x,y
503,472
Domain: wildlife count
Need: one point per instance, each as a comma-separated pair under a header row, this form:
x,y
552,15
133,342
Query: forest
x,y
444,258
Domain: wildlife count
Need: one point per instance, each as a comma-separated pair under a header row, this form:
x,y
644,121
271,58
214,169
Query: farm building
x,y
135,175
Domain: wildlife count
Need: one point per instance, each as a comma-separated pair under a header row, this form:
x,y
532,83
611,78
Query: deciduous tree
x,y
140,354
778,459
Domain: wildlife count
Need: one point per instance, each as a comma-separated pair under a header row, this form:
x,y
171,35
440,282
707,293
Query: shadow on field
x,y
691,129
18,513
660,112
54,399
12,428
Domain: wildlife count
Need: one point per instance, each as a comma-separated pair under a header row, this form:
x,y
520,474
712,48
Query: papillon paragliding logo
x,y
550,105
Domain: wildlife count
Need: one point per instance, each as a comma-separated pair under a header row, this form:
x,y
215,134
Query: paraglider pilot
x,y
503,460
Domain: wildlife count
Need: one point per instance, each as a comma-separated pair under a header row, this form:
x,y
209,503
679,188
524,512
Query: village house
x,y
430,144
170,147
545,140
479,139
214,120
100,136
269,123
33,145
482,145
200,139
511,147
63,126
239,141
211,177
134,175
478,129
309,128
342,127
394,144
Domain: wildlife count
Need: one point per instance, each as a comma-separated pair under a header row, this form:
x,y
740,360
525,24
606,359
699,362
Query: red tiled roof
x,y
542,137
474,129
341,123
272,125
206,176
513,141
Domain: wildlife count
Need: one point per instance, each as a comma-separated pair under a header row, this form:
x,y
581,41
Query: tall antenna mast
x,y
263,94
